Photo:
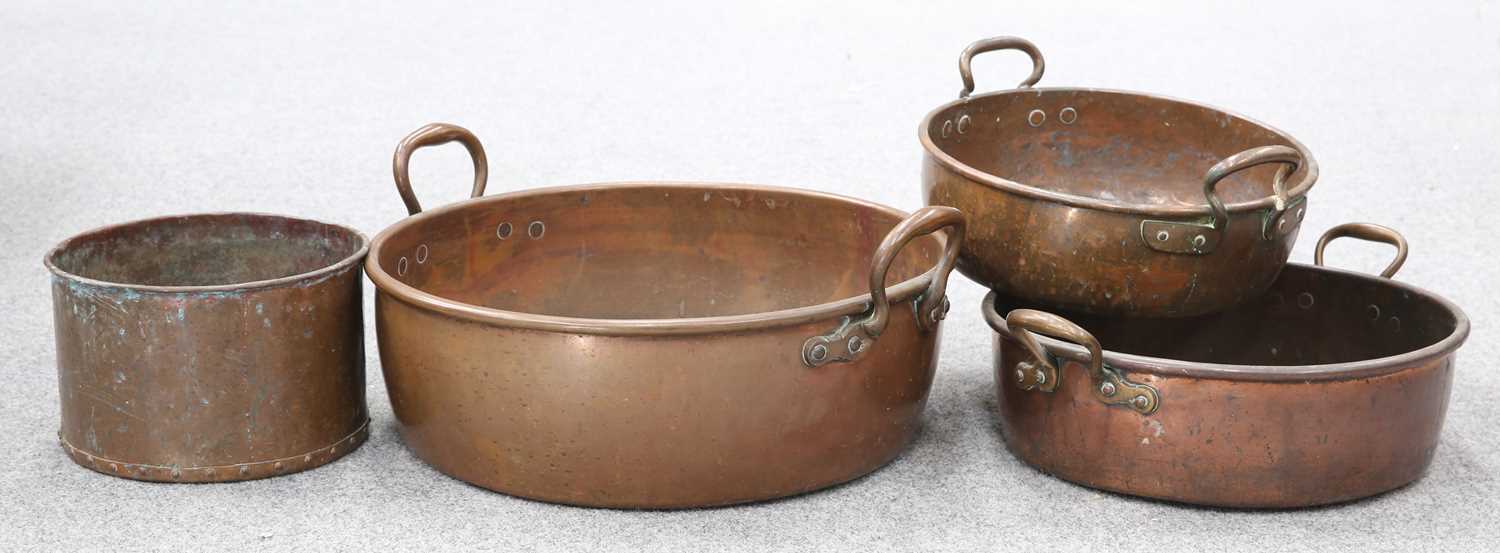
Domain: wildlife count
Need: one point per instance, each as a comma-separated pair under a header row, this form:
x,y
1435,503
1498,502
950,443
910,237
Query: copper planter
x,y
657,345
1113,202
210,348
1331,387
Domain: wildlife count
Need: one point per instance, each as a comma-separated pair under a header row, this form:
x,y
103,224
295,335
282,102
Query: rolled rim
x,y
320,273
1220,371
1301,187
408,294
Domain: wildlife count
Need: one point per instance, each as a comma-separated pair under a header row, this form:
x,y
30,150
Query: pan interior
x,y
1112,146
650,252
1308,317
206,250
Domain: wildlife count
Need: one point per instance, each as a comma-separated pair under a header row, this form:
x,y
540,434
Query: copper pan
x,y
1113,202
654,344
1333,386
210,348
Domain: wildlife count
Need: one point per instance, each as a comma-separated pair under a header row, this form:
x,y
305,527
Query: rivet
x,y
937,314
276,467
947,128
1300,210
1036,118
307,458
1199,241
1020,376
1140,402
1108,389
401,267
503,231
1041,377
963,124
1162,236
244,470
1395,324
176,472
1305,300
819,352
856,344
1068,115
1374,312
1281,224
114,467
536,229
422,253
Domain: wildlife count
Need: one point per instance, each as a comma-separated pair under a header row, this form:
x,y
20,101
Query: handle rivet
x,y
1140,402
1041,377
819,352
1162,236
1199,241
1020,376
503,231
1300,211
947,128
963,124
855,344
1068,115
1108,389
1036,118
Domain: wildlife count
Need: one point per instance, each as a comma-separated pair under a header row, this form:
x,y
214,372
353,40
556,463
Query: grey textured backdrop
x,y
117,112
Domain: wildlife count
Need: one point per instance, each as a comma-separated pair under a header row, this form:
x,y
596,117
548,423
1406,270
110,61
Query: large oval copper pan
x,y
657,345
1331,387
1114,202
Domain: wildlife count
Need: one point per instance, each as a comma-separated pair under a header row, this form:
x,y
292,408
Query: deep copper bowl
x,y
1113,202
1333,386
657,345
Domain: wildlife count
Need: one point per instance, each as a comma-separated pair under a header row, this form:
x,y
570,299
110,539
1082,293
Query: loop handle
x,y
434,134
1202,237
855,336
1038,65
1290,157
1042,373
1366,231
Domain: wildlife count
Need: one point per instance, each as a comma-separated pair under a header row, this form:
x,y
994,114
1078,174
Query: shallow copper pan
x,y
209,348
1113,202
657,345
1332,386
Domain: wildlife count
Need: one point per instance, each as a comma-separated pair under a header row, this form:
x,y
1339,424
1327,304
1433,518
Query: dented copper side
x,y
210,348
658,345
1330,387
1113,202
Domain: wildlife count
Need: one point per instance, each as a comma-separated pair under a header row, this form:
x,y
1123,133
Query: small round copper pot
x,y
653,345
1113,202
1332,386
210,348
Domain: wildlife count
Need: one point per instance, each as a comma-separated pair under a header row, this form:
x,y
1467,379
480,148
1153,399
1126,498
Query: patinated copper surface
x,y
658,345
1114,202
1331,387
210,348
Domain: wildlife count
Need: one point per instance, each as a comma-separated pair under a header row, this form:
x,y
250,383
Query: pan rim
x,y
1364,368
320,273
942,157
388,285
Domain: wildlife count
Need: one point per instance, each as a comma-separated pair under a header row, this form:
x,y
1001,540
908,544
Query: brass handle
x,y
1199,238
1109,386
432,135
856,335
1366,231
1038,65
1290,157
